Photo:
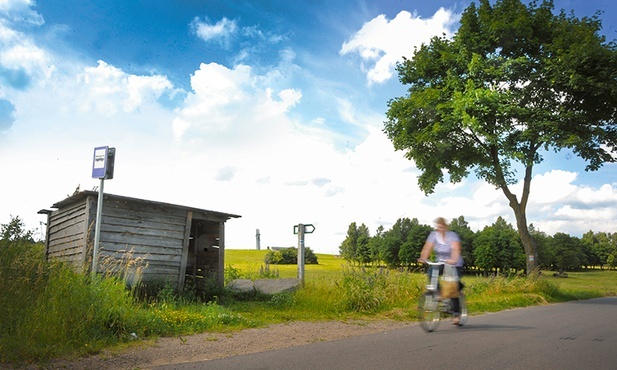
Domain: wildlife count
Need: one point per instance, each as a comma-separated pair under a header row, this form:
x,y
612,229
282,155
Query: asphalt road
x,y
573,335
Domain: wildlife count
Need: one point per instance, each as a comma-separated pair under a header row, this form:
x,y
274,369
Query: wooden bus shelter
x,y
152,241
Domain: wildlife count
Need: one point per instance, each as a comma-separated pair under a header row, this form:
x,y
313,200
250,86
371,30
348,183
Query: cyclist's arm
x,y
426,251
455,253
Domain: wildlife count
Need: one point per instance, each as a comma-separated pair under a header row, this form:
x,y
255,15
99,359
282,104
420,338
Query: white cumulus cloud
x,y
111,90
221,31
381,43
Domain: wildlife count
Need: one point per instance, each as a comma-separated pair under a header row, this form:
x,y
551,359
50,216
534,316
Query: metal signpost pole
x,y
257,239
301,229
301,253
97,228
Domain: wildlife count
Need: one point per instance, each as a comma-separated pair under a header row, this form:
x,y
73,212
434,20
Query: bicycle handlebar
x,y
438,263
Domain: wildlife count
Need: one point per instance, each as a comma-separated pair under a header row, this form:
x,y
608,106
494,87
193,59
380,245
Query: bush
x,y
289,256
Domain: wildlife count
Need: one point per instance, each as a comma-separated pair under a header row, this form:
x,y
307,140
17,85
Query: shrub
x,y
289,256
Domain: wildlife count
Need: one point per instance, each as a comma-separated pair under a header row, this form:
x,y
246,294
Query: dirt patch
x,y
210,346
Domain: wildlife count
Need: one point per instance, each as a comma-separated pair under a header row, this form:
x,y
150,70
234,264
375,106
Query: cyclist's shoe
x,y
456,320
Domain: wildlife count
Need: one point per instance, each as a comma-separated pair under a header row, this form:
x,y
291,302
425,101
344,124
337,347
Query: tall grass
x,y
485,294
47,310
374,289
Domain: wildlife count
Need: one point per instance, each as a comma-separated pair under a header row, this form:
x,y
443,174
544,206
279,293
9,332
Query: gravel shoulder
x,y
210,346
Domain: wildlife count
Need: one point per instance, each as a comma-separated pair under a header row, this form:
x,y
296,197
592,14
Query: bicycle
x,y
431,306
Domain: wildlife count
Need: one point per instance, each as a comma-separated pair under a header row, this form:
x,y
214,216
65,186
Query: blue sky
x,y
272,110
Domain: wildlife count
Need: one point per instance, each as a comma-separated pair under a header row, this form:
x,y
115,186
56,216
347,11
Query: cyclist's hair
x,y
441,221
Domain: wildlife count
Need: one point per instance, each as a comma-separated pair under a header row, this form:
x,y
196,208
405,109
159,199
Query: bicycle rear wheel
x,y
428,311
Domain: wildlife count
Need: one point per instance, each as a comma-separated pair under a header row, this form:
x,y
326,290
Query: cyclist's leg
x,y
438,280
456,307
429,275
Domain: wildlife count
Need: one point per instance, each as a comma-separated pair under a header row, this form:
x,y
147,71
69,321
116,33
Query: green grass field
x,y
485,294
592,282
249,262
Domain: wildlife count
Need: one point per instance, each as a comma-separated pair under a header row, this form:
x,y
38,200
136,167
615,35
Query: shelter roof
x,y
80,196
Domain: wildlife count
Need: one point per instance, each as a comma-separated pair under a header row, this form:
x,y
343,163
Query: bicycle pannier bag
x,y
449,283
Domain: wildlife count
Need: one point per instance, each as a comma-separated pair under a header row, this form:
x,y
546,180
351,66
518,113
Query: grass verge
x,y
49,311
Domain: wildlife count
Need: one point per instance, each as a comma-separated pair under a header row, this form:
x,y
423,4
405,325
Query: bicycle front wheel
x,y
428,311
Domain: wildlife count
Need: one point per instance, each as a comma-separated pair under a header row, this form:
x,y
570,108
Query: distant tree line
x,y
495,249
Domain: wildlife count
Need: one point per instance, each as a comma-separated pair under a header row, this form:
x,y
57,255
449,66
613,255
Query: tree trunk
x,y
529,243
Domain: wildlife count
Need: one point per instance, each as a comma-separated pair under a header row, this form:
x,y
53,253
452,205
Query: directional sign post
x,y
302,229
308,228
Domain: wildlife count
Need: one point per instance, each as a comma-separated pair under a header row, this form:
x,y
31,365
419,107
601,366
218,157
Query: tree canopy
x,y
514,82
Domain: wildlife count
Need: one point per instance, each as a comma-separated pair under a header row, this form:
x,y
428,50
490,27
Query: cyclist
x,y
447,247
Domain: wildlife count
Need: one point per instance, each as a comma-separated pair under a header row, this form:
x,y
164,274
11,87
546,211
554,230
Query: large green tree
x,y
412,246
394,239
356,246
375,244
349,247
599,246
515,81
498,247
363,252
568,252
467,236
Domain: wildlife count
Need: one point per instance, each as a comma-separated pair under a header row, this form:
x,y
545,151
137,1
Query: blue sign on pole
x,y
99,162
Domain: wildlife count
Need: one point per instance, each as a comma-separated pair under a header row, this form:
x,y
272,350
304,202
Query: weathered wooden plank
x,y
66,233
142,220
151,270
136,253
145,275
168,269
146,206
69,211
144,211
60,219
65,252
76,228
58,248
73,259
68,230
160,274
66,239
153,241
130,231
152,223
